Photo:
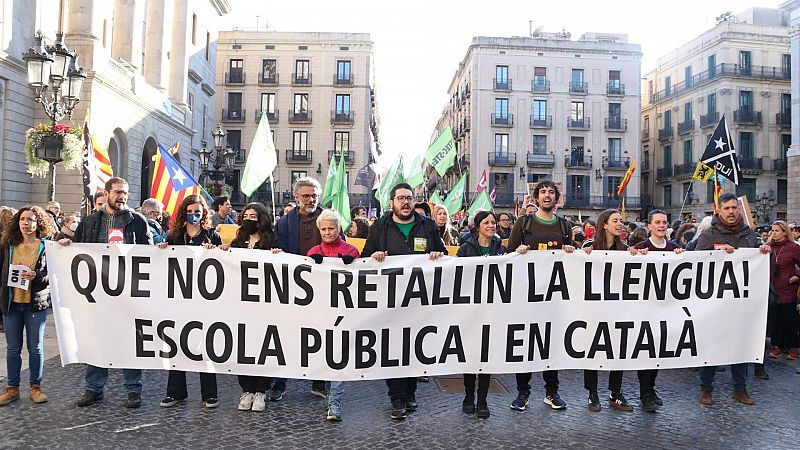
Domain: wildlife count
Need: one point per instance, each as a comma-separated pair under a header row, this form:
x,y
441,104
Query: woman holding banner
x,y
607,237
255,232
25,297
483,241
192,227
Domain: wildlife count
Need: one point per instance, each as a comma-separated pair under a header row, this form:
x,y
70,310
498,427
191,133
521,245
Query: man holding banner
x,y
403,232
728,232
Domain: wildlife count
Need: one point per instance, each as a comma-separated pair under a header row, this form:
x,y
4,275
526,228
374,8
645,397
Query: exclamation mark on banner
x,y
746,268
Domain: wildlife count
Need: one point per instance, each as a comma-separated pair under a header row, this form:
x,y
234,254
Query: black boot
x,y
468,406
483,409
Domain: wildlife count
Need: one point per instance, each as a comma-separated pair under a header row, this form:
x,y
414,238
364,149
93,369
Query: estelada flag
x,y
171,182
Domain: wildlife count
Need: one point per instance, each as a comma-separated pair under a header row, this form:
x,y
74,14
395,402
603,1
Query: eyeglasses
x,y
405,199
308,196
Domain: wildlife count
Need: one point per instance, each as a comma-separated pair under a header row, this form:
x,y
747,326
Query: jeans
x,y
483,385
335,391
550,382
647,381
21,316
738,372
96,378
176,385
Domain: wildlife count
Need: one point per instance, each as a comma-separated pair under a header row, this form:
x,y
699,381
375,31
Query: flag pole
x,y
272,191
680,214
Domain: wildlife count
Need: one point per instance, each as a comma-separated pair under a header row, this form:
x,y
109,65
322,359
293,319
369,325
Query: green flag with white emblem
x,y
435,199
481,202
453,201
442,152
416,177
331,183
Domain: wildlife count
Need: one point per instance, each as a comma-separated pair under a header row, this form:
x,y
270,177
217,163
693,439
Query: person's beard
x,y
399,214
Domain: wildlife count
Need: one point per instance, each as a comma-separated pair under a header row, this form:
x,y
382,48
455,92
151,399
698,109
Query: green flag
x,y
261,159
341,198
453,201
390,180
482,201
435,199
330,183
442,152
416,177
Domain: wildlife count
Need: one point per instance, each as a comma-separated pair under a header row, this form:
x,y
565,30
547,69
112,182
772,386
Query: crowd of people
x,y
408,227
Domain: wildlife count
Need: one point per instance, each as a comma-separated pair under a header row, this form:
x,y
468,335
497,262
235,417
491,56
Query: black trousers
x,y
785,326
254,384
647,380
614,381
176,385
550,382
400,389
483,385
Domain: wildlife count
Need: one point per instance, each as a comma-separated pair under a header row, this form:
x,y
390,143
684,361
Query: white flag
x,y
261,159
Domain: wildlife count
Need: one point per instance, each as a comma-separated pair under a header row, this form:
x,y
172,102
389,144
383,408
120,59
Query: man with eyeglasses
x,y
504,225
114,223
297,234
403,232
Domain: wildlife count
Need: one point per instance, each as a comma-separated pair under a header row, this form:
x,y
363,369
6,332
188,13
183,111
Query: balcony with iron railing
x,y
342,79
298,156
683,170
616,163
647,200
750,164
645,164
233,115
502,159
723,70
504,199
747,117
577,87
615,89
301,79
241,155
502,120
272,117
342,117
616,124
576,161
349,157
541,122
612,201
540,86
665,134
578,124
687,126
779,165
576,199
300,116
646,134
783,119
270,80
709,120
502,85
541,160
664,173
234,77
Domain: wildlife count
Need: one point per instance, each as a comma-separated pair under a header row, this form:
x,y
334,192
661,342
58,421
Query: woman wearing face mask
x,y
482,242
255,232
68,229
446,230
606,237
192,227
25,307
784,280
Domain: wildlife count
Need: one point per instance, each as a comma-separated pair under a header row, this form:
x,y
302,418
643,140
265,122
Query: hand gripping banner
x,y
256,313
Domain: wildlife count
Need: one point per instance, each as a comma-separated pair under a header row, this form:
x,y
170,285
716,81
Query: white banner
x,y
255,313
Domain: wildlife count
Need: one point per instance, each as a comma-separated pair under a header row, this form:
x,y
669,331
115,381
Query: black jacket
x,y
206,236
743,237
384,235
472,248
135,229
40,286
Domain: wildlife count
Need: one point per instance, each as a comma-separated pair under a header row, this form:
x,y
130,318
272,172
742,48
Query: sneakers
x,y
169,402
134,400
468,405
10,394
411,403
555,402
211,402
90,398
246,401
334,412
740,395
775,352
318,389
705,398
521,402
276,393
259,402
398,410
618,401
594,402
648,402
36,394
483,410
792,354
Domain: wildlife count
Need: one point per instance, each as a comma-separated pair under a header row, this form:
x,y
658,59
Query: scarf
x,y
735,227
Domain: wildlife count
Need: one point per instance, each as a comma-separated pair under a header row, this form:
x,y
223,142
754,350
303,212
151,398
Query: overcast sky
x,y
419,44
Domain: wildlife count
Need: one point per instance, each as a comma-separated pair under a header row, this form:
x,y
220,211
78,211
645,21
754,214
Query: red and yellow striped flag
x,y
627,179
171,182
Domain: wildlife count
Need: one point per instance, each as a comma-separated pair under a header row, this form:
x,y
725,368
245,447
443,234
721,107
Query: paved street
x,y
298,422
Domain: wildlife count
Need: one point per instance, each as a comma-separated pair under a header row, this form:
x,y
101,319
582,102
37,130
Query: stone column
x,y
128,41
793,155
156,44
178,59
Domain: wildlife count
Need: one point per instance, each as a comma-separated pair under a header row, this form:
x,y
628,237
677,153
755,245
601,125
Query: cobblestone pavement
x,y
298,421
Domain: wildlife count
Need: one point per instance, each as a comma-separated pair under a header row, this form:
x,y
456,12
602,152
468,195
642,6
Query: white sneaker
x,y
259,401
245,401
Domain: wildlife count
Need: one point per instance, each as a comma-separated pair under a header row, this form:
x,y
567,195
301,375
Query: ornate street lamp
x,y
224,158
55,69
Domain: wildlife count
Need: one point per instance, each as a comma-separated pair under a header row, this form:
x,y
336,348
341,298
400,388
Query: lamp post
x,y
225,158
56,81
766,201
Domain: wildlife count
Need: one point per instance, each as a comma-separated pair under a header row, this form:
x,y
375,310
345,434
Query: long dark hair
x,y
179,227
266,234
44,226
362,227
600,233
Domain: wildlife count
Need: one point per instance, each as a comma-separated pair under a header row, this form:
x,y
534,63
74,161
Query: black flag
x,y
87,202
366,176
720,154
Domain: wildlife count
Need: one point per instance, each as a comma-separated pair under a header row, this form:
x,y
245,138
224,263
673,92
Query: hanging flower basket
x,y
45,135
